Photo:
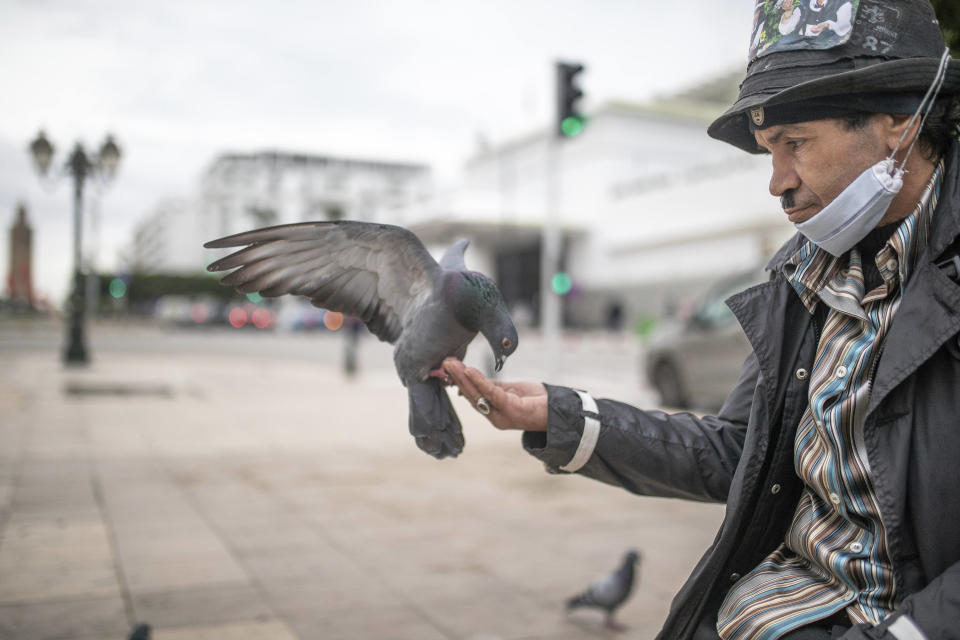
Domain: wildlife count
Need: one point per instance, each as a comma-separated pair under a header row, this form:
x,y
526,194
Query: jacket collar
x,y
945,225
776,324
930,299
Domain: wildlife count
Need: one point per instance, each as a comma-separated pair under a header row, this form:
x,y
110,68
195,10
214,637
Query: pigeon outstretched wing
x,y
379,273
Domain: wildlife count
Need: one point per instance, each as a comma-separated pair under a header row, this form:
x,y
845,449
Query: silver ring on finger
x,y
483,406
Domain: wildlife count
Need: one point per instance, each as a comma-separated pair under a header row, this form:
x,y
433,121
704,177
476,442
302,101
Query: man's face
x,y
814,161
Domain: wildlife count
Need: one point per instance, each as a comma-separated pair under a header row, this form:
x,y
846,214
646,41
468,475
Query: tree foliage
x,y
948,13
149,287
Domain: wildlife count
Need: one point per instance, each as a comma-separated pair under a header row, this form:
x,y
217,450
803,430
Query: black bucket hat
x,y
826,56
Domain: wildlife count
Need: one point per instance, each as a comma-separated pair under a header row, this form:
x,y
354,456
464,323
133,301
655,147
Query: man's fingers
x,y
457,371
484,386
474,385
499,399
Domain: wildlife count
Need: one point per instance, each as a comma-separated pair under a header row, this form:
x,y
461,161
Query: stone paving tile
x,y
506,616
183,572
36,583
62,619
55,557
267,630
65,496
319,597
299,564
51,532
166,542
267,536
378,623
436,588
201,606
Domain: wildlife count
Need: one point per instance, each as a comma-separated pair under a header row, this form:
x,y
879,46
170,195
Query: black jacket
x,y
744,455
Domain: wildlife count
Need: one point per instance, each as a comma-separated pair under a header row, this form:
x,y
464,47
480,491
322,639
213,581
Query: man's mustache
x,y
788,199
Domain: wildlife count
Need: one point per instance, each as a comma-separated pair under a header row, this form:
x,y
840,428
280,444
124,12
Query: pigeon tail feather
x,y
433,422
581,600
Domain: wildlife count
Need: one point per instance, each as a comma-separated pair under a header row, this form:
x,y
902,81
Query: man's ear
x,y
894,127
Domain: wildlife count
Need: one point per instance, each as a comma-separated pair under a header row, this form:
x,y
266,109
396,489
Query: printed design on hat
x,y
882,24
786,25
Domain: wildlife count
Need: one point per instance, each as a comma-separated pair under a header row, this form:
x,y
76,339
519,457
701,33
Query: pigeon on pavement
x,y
611,591
140,632
383,275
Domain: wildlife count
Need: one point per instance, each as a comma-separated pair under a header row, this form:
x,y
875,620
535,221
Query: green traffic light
x,y
117,288
561,283
572,125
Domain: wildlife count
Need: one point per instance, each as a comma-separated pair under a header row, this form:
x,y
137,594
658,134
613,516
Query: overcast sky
x,y
180,82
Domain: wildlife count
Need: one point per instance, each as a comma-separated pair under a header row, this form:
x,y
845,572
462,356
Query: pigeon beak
x,y
499,364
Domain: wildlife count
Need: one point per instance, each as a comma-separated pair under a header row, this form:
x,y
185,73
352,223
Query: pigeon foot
x,y
440,373
613,625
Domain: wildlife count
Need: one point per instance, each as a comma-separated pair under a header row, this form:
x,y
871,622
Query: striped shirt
x,y
834,556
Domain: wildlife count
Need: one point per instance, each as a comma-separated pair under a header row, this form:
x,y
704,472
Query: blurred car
x,y
694,361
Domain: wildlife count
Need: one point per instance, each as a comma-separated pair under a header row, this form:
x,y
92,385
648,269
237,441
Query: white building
x,y
242,191
651,209
159,239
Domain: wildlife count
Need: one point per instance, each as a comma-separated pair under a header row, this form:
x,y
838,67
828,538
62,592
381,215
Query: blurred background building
x,y
19,272
241,191
651,209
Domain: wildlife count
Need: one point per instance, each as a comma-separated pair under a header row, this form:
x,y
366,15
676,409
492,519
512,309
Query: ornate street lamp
x,y
80,167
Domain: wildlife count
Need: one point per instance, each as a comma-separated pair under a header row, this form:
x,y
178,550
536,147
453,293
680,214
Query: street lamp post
x,y
80,167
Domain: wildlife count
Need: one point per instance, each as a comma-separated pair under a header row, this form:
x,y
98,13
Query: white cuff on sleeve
x,y
904,628
591,433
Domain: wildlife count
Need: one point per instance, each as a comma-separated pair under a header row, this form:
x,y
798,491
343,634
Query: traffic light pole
x,y
568,122
550,308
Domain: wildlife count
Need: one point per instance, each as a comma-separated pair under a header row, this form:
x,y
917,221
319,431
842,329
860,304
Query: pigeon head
x,y
479,306
631,557
501,334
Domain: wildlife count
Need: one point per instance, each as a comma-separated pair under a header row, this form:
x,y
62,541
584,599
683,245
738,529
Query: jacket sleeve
x,y
651,452
933,613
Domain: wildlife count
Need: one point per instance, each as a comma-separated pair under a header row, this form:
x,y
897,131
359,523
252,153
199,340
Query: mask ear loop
x,y
926,103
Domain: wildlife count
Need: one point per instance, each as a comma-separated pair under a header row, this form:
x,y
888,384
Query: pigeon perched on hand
x,y
611,591
383,275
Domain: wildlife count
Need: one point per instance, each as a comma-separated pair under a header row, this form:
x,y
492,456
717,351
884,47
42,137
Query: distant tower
x,y
19,277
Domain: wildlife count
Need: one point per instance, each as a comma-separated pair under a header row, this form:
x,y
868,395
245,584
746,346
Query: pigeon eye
x,y
506,343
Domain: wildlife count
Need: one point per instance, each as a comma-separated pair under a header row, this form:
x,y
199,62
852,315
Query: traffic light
x,y
117,288
561,283
570,121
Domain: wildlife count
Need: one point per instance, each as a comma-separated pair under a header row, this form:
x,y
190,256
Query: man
x,y
837,452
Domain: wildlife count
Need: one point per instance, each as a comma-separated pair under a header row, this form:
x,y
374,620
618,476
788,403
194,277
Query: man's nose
x,y
784,177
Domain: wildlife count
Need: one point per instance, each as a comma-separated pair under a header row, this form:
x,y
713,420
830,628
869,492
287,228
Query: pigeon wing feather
x,y
379,273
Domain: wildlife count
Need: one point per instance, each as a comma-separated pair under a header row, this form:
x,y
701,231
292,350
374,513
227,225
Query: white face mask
x,y
856,211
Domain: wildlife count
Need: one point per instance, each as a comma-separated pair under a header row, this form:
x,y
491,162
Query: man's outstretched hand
x,y
513,405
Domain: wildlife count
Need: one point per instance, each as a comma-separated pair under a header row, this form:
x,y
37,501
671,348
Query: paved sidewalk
x,y
267,498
